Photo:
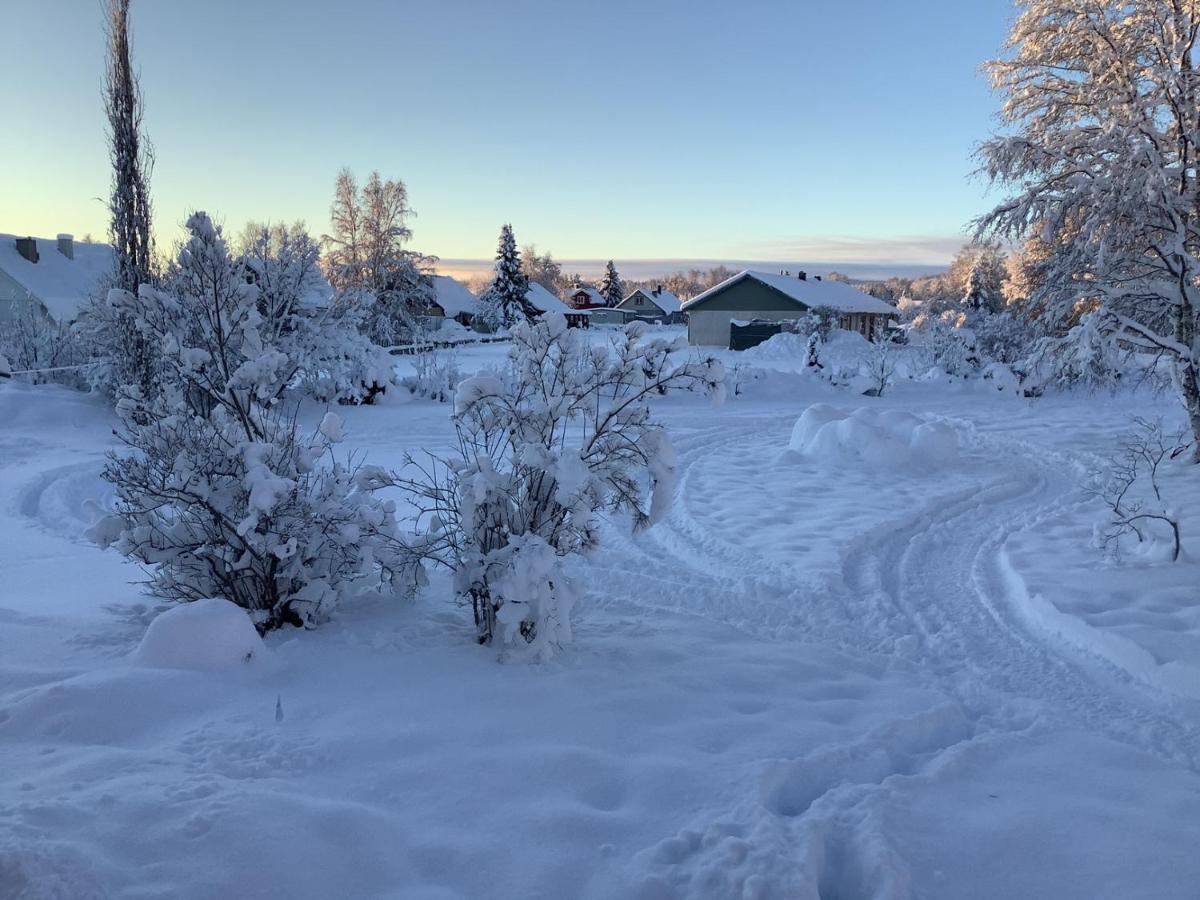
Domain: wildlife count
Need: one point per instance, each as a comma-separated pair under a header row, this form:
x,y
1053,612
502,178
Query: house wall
x,y
710,327
13,297
708,323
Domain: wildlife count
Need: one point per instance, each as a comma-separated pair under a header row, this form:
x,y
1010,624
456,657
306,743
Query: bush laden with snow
x,y
329,356
1087,356
53,353
220,495
561,435
945,343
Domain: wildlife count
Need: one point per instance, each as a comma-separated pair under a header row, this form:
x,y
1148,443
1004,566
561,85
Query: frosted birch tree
x,y
1102,108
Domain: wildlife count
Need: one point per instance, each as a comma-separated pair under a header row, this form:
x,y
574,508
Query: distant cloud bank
x,y
646,269
858,257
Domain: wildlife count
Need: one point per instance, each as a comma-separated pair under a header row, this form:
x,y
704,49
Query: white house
x,y
52,277
777,298
656,304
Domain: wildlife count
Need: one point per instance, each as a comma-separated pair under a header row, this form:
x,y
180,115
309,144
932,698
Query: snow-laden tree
x,y
366,255
329,356
542,268
981,296
504,303
611,287
561,435
1102,104
945,342
125,359
219,494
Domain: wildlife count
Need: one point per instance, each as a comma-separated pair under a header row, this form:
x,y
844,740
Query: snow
x,y
208,634
453,297
809,293
817,675
888,437
62,285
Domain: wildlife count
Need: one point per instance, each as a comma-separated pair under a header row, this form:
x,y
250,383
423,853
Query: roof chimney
x,y
803,276
27,247
66,245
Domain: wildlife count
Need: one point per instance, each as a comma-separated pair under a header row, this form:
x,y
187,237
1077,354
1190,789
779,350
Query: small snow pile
x,y
787,346
878,437
206,634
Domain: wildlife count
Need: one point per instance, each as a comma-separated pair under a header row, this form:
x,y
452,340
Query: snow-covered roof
x,y
545,301
62,285
808,292
664,300
454,297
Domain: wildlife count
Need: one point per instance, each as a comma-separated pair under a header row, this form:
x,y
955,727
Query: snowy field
x,y
871,652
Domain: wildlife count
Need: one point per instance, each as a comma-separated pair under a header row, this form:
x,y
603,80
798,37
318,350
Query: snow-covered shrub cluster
x,y
1141,518
1088,356
53,353
945,342
885,438
559,436
220,495
328,355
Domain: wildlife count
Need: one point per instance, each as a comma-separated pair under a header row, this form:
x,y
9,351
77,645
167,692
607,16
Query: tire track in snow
x,y
928,587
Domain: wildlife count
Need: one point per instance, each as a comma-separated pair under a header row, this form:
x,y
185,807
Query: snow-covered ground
x,y
870,655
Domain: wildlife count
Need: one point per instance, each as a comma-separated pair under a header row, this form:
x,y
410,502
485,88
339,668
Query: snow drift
x,y
207,635
887,437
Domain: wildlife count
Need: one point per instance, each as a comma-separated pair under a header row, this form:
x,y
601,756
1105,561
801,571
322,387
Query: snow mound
x,y
208,635
889,437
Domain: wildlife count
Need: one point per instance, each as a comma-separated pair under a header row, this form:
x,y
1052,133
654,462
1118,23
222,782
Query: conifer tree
x,y
504,303
611,287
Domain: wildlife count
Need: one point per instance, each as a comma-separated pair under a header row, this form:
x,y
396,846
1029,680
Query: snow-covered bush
x,y
561,435
945,342
253,512
1132,490
31,342
1002,337
122,358
881,367
329,356
220,495
436,373
1088,356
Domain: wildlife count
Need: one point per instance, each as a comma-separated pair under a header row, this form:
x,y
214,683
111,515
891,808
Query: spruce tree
x,y
611,287
504,302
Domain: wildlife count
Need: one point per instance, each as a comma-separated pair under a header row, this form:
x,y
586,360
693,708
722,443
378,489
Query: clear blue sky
x,y
633,130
